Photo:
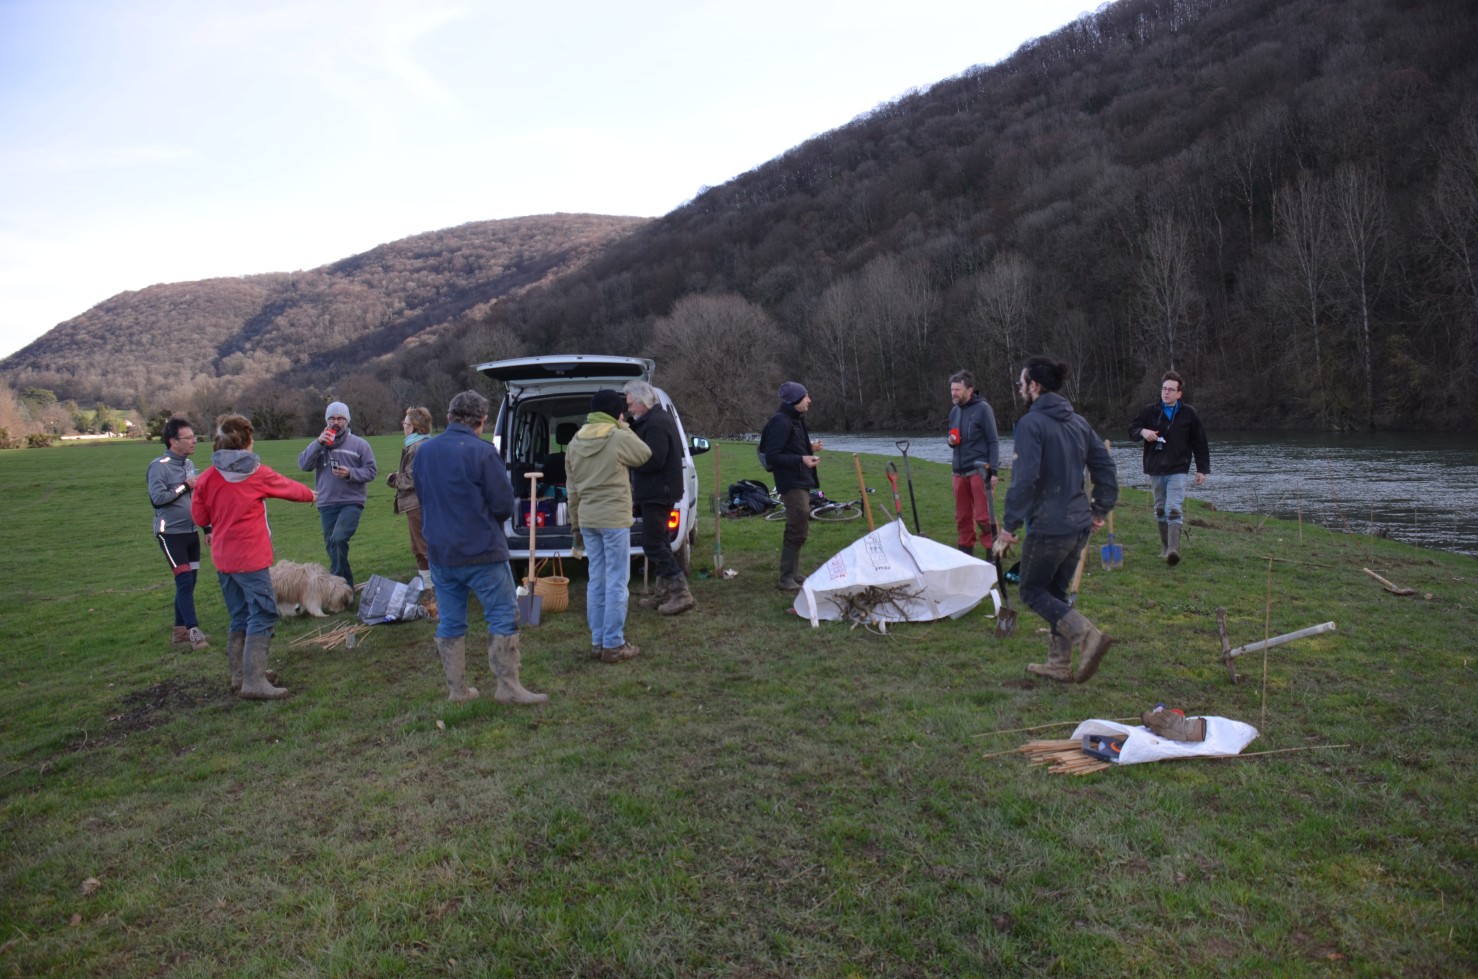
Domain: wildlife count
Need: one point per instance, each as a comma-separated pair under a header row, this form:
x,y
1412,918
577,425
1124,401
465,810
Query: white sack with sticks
x,y
1224,736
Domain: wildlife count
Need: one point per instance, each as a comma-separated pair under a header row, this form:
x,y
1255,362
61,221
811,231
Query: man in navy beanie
x,y
789,453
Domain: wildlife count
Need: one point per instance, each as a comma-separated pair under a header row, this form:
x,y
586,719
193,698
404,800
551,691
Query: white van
x,y
546,402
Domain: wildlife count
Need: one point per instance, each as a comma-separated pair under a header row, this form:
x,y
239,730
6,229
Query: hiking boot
x,y
624,651
1174,725
180,636
660,589
453,653
1172,545
1059,665
504,658
595,650
679,598
198,640
254,682
1092,643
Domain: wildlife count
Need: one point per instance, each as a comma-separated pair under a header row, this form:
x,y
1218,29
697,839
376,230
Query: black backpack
x,y
751,495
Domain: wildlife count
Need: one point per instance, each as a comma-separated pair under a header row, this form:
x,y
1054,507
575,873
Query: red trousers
x,y
972,519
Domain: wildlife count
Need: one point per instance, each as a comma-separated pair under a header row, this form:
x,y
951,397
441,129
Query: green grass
x,y
750,797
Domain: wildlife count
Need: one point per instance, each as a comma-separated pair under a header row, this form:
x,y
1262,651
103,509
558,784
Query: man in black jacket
x,y
790,455
655,486
973,443
1053,445
1172,433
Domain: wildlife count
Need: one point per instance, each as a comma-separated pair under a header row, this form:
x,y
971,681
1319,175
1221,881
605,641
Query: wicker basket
x,y
553,589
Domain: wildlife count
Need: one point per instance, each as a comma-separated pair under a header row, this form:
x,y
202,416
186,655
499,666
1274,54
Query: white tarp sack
x,y
892,576
1223,737
385,600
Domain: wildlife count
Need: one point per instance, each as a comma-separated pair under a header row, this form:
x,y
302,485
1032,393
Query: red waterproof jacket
x,y
230,498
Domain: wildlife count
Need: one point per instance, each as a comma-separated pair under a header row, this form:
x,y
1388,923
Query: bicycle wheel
x,y
836,512
776,514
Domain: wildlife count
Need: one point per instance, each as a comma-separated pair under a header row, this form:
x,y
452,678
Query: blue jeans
x,y
1169,497
492,583
609,551
340,521
1047,567
250,601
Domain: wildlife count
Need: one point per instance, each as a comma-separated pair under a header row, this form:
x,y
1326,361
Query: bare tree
x,y
720,357
1359,212
1449,217
1166,292
1004,305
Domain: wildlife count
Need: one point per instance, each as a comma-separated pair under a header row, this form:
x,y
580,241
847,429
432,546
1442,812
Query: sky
x,y
149,141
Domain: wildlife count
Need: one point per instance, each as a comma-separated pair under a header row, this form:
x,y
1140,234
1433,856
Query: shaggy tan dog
x,y
308,589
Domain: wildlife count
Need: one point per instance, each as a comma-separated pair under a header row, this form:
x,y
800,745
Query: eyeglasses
x,y
1170,388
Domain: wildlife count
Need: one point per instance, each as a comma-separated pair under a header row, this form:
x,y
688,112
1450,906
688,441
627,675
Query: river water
x,y
1418,488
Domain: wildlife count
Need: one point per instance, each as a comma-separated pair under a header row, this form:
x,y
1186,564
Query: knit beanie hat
x,y
792,392
608,401
337,408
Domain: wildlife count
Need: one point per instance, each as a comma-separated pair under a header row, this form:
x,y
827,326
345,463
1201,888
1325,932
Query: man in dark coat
x,y
789,453
1172,433
973,443
656,485
1053,445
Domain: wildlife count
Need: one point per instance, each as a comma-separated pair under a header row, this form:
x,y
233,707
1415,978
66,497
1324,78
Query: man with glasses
x,y
1172,434
171,481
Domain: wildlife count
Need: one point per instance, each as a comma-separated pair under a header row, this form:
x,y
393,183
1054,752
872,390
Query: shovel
x,y
908,475
1111,554
1006,617
892,471
1072,596
718,520
531,604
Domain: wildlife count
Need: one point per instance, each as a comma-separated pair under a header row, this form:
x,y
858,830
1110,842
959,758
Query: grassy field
x,y
750,797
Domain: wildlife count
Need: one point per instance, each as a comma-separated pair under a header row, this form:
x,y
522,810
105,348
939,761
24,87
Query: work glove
x,y
577,546
1000,547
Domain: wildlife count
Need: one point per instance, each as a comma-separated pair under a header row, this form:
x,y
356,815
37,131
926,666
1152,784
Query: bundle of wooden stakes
x,y
327,638
1064,755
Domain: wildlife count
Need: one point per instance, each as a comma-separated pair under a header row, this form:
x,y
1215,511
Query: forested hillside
x,y
1278,198
267,339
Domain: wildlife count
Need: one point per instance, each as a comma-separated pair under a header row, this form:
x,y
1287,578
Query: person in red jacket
x,y
230,498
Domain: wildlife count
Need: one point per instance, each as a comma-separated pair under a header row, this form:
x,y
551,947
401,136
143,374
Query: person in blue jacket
x,y
1053,446
465,497
1172,434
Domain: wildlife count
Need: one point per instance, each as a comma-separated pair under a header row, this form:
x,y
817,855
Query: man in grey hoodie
x,y
343,465
1053,444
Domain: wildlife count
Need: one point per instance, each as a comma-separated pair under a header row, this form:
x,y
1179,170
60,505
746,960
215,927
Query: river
x,y
1412,487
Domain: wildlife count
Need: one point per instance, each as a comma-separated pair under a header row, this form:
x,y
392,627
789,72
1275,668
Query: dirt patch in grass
x,y
155,705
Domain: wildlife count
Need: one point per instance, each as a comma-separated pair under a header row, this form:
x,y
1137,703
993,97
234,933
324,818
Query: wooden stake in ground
x,y
1394,589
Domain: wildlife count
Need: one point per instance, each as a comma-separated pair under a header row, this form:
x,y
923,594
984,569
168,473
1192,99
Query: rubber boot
x,y
966,549
235,645
1174,725
453,653
1172,545
679,597
790,559
1164,540
254,682
658,597
503,657
1059,665
1092,643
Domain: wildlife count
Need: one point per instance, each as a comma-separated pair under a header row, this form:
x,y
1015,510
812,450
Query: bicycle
x,y
823,509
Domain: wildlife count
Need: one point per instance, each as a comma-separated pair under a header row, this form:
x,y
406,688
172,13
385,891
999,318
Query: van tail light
x,y
674,521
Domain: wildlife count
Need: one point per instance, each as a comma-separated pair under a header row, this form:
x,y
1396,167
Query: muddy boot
x,y
1059,665
180,636
254,682
1172,545
621,653
1092,643
235,646
1174,725
503,657
198,639
679,597
658,597
1164,540
790,559
453,654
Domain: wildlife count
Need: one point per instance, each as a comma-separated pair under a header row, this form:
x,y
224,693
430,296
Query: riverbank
x,y
749,796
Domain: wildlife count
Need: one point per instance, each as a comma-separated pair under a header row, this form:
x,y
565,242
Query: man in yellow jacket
x,y
597,463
